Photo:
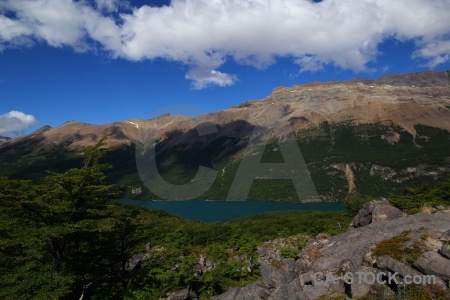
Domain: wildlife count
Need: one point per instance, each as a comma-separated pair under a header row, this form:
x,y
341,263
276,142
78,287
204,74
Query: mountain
x,y
372,136
4,138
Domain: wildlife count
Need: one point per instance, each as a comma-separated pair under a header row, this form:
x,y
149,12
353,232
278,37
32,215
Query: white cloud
x,y
15,123
204,34
58,23
435,53
205,78
108,5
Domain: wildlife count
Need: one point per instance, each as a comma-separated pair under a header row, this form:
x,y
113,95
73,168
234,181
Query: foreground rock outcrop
x,y
375,211
403,246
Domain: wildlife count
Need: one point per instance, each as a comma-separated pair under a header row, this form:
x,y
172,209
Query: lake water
x,y
214,211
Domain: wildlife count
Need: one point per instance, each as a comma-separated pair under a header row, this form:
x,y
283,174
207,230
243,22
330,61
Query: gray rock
x,y
310,292
228,295
286,292
364,216
336,254
253,291
134,261
445,250
204,264
381,291
361,288
184,294
387,263
431,263
277,276
385,212
305,279
445,236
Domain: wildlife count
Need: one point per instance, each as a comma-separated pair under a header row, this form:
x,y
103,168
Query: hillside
x,y
372,136
4,138
405,247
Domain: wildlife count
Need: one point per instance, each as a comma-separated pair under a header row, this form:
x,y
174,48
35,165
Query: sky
x,y
100,61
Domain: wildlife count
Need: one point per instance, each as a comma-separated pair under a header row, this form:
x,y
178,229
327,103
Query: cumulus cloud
x,y
204,34
15,123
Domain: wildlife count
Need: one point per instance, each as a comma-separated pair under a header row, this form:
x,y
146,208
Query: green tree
x,y
50,231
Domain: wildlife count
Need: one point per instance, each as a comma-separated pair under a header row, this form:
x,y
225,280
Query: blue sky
x,y
99,61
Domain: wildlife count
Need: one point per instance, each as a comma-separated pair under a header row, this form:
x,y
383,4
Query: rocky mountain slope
x,y
4,138
364,135
381,242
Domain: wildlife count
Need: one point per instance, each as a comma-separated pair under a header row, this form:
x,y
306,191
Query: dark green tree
x,y
50,243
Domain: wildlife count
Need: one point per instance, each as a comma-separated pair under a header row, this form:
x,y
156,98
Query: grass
x,y
393,246
396,248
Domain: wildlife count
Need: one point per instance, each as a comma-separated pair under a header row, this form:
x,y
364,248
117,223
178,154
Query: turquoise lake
x,y
216,211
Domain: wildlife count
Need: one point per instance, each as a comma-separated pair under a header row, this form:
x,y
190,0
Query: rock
x,y
385,212
205,265
347,252
432,263
432,243
361,289
445,236
134,261
445,250
253,291
310,292
185,294
387,263
228,295
306,278
277,276
364,216
270,252
286,291
381,291
369,258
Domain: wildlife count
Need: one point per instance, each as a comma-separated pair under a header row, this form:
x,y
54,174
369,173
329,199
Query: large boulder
x,y
375,211
432,263
387,263
385,212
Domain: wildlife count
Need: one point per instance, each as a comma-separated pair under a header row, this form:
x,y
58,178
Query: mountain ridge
x,y
370,136
411,98
4,138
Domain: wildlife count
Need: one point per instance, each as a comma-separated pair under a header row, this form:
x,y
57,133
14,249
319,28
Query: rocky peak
x,y
418,79
400,99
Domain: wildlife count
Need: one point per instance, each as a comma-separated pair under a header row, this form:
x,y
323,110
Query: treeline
x,y
63,238
410,200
